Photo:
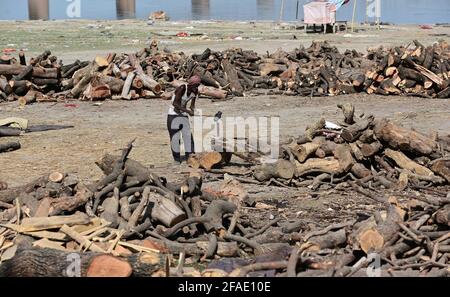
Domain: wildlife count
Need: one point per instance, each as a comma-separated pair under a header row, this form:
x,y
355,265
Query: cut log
x,y
327,148
403,139
367,136
351,133
442,168
232,76
108,266
406,163
208,160
349,111
329,240
360,170
9,147
4,86
368,150
443,215
279,169
134,168
127,85
111,209
9,195
56,177
327,165
266,69
30,97
212,92
45,223
17,69
343,154
114,84
356,151
54,263
312,130
303,151
166,211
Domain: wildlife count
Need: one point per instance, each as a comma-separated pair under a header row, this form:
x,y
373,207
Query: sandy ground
x,y
84,39
108,127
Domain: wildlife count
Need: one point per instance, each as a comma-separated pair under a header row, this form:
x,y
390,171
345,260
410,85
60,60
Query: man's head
x,y
194,81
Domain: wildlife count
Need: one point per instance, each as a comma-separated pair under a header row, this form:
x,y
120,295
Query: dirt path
x,y
106,128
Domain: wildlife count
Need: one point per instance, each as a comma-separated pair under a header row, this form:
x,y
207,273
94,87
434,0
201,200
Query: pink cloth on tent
x,y
319,13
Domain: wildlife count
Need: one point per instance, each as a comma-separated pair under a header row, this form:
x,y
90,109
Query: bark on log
x,y
303,151
442,168
329,240
208,160
37,72
403,139
352,132
9,195
54,263
9,147
327,165
233,79
368,150
343,154
212,92
349,111
279,169
166,211
406,163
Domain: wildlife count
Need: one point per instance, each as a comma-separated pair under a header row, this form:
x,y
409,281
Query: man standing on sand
x,y
178,118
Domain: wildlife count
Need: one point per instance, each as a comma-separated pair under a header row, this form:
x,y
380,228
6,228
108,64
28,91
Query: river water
x,y
392,11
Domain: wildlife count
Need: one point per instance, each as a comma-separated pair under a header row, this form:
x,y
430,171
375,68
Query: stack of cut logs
x,y
134,222
319,70
372,152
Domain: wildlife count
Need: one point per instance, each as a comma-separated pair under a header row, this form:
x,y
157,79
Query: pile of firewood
x,y
318,70
135,222
419,71
372,152
19,81
57,214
